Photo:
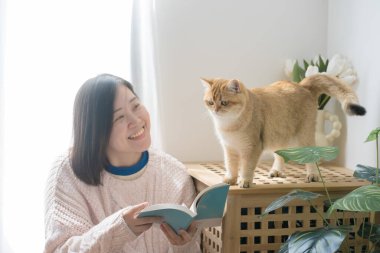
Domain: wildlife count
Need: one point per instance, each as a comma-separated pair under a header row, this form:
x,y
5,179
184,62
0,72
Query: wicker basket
x,y
243,230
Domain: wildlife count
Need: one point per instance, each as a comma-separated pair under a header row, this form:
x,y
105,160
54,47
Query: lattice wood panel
x,y
244,230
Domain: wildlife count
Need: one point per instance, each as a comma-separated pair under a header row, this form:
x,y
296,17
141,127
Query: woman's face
x,y
130,134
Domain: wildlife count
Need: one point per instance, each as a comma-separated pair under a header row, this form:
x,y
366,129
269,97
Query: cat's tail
x,y
332,86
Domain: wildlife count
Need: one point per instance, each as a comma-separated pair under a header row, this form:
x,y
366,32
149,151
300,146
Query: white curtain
x,y
50,48
2,19
144,74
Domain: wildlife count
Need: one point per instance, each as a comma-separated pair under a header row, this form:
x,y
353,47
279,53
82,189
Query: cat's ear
x,y
234,86
206,82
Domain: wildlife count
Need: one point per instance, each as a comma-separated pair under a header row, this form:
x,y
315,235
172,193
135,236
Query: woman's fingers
x,y
134,210
141,228
192,229
168,232
184,236
181,238
138,225
147,220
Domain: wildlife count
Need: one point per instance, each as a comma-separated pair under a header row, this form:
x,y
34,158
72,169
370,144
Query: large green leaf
x,y
298,73
284,247
308,154
373,134
366,172
362,199
326,240
369,231
295,194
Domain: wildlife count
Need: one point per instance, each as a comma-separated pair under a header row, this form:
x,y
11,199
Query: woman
x,y
95,193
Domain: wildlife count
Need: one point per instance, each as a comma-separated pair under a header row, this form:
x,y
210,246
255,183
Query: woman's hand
x,y
139,225
183,236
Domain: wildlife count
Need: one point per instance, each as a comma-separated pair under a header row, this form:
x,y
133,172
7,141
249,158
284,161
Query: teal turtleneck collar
x,y
129,170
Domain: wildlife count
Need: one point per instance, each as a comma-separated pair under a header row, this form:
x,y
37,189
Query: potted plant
x,y
339,67
329,239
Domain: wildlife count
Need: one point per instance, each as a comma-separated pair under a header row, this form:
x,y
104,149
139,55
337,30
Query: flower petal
x,y
336,65
311,70
347,72
348,79
289,65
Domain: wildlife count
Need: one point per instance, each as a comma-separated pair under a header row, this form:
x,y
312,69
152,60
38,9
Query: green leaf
x,y
305,65
322,103
304,155
326,240
322,66
298,73
366,172
363,199
295,194
369,231
285,246
373,135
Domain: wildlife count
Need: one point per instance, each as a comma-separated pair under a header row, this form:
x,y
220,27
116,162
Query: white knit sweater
x,y
84,218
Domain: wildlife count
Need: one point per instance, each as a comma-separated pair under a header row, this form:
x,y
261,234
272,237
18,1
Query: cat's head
x,y
224,98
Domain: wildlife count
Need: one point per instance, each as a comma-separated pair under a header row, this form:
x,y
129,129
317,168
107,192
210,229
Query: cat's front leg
x,y
248,165
277,167
231,161
312,173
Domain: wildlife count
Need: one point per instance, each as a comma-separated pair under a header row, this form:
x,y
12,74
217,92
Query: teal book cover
x,y
207,209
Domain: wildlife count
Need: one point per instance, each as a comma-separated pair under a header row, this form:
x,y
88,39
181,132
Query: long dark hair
x,y
92,125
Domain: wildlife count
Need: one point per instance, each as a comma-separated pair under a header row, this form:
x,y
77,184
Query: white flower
x,y
350,80
340,67
347,72
289,65
311,70
336,65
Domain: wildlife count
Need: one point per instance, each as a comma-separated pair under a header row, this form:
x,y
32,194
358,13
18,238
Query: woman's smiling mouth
x,y
139,133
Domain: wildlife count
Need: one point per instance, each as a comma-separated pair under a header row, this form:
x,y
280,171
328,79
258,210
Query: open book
x,y
207,209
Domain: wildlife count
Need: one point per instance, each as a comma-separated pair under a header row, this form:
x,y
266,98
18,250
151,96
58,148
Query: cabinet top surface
x,y
335,178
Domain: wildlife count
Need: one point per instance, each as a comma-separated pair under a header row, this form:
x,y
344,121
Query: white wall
x,y
243,39
353,30
2,26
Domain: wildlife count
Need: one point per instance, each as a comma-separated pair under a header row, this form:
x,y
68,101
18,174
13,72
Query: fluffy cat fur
x,y
278,116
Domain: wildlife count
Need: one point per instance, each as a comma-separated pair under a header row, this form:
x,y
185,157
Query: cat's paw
x,y
245,184
311,178
230,180
276,173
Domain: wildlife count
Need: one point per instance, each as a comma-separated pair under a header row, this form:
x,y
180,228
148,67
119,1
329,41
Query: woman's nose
x,y
133,121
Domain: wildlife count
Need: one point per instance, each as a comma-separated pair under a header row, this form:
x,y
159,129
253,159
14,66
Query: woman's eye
x,y
119,118
224,103
209,102
136,106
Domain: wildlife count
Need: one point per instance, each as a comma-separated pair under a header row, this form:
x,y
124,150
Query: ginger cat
x,y
279,116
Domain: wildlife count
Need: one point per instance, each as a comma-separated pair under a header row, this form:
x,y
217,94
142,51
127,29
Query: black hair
x,y
92,125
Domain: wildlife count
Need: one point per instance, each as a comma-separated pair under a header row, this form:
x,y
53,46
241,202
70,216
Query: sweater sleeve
x,y
68,225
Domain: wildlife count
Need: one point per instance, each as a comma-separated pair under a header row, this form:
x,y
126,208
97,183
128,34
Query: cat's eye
x,y
224,103
209,102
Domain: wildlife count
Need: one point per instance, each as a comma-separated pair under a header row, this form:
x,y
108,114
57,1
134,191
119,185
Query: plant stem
x,y
324,185
320,215
377,159
324,102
